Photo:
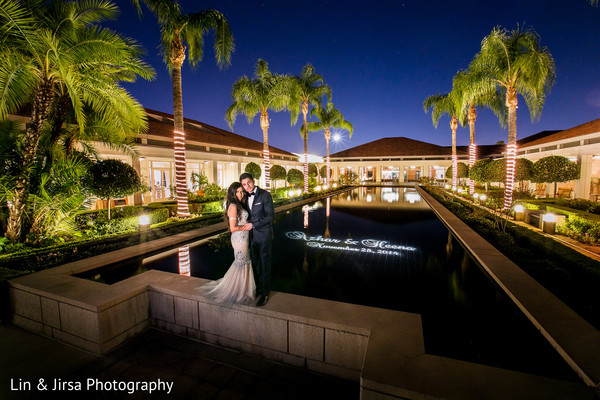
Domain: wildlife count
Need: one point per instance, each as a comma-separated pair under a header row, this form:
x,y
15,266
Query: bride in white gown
x,y
237,285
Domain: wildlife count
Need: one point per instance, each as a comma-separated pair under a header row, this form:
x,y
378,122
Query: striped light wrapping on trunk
x,y
305,173
184,260
266,157
454,172
472,158
180,178
511,156
327,172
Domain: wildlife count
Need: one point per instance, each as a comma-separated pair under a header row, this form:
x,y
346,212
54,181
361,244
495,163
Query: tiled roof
x,y
204,133
579,130
395,147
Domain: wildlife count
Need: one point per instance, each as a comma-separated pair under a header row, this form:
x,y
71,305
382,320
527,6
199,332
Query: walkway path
x,y
197,370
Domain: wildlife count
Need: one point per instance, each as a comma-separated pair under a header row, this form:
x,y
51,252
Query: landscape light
x,y
291,193
446,186
144,220
549,223
519,215
298,192
483,197
476,196
318,188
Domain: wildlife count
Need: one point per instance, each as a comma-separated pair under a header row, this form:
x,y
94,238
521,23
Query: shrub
x,y
253,169
295,176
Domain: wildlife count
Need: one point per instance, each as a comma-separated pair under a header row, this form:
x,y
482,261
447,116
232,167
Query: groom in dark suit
x,y
262,212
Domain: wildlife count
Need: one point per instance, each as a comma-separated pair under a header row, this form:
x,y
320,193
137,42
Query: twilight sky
x,y
382,58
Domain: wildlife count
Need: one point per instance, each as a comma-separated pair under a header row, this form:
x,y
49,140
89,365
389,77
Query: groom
x,y
260,205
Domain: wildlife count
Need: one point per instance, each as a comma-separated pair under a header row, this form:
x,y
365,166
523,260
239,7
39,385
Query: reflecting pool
x,y
384,247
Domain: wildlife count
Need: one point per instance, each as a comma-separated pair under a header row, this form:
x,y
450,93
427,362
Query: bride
x,y
237,286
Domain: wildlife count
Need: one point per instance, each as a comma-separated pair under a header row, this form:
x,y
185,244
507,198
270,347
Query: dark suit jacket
x,y
261,216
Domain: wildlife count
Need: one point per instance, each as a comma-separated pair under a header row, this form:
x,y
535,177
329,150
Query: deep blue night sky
x,y
381,59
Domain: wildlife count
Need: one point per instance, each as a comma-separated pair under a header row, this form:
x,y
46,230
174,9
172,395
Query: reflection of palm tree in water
x,y
449,245
327,209
305,262
184,260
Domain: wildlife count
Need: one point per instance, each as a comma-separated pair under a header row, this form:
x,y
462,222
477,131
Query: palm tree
x,y
309,90
265,91
63,54
328,117
449,104
179,30
516,63
466,83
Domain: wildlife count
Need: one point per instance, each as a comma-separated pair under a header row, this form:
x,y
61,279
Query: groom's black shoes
x,y
262,300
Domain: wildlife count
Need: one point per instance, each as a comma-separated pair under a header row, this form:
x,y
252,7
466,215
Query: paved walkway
x,y
197,370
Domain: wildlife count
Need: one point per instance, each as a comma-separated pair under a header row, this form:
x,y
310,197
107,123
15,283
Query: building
x,y
218,154
394,160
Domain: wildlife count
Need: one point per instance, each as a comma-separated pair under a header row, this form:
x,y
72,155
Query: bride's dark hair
x,y
232,199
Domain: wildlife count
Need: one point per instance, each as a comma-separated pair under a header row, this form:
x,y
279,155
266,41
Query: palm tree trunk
x,y
454,126
179,144
305,127
472,146
327,172
511,147
39,113
264,125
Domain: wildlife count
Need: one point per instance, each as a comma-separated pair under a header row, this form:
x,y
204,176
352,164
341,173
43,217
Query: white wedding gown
x,y
237,285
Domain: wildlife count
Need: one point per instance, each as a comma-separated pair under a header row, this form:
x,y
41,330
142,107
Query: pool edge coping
x,y
565,330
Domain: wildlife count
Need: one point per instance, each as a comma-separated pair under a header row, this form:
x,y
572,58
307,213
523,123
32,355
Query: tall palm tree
x,y
265,91
309,90
447,104
65,53
328,117
179,30
516,63
466,82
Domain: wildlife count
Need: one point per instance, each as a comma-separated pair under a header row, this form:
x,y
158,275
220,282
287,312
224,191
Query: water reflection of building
x,y
381,197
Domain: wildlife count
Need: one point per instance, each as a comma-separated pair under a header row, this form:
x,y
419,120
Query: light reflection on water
x,y
384,247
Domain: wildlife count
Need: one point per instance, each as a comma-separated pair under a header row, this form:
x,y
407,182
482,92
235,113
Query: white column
x,y
582,186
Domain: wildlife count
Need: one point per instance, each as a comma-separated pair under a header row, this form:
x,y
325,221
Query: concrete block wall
x,y
94,329
277,336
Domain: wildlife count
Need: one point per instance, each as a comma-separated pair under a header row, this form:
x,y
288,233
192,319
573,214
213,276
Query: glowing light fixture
x,y
483,197
318,188
519,208
298,192
144,220
446,186
549,218
475,196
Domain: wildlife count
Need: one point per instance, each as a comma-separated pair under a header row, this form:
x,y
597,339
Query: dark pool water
x,y
384,247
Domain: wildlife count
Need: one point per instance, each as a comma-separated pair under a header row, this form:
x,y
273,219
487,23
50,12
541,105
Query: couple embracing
x,y
249,212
